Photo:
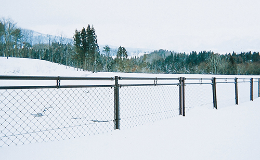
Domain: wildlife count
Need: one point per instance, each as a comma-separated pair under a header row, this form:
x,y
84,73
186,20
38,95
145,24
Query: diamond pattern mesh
x,y
37,115
42,115
143,104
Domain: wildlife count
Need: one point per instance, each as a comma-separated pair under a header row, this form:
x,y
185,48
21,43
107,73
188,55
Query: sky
x,y
183,26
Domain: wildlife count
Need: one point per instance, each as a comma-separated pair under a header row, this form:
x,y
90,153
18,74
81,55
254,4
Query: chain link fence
x,y
243,90
38,115
142,104
225,94
198,95
31,113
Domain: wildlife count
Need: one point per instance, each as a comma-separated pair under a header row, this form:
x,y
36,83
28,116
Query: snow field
x,y
231,132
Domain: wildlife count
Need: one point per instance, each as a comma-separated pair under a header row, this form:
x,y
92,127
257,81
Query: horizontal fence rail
x,y
42,109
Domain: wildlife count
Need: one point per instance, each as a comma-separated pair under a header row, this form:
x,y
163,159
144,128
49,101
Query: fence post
x,y
251,89
116,104
181,96
214,90
258,87
236,91
58,82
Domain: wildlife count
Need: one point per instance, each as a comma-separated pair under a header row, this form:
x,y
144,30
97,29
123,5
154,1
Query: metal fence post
x,y
181,96
236,91
251,89
116,104
214,90
58,82
258,87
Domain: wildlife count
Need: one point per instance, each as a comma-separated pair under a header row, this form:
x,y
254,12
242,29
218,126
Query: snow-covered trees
x,y
10,38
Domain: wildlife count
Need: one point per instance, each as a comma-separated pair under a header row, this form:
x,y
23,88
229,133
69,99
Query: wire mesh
x,y
198,95
243,92
144,104
41,115
225,94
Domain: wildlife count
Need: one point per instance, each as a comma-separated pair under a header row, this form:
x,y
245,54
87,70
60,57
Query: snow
x,y
36,67
229,133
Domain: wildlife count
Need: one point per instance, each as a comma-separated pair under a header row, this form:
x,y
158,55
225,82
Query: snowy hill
x,y
35,67
229,133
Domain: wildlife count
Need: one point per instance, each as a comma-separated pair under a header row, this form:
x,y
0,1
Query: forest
x,y
83,53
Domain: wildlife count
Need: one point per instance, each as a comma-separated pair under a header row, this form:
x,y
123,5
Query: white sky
x,y
179,25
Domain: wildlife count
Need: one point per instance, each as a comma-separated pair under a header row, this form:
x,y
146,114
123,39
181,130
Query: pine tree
x,y
84,46
78,47
106,49
85,42
92,47
121,56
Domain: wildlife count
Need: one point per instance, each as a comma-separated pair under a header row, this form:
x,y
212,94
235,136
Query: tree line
x,y
83,52
206,62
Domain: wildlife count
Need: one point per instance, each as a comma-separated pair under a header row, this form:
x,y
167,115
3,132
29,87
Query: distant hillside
x,y
33,37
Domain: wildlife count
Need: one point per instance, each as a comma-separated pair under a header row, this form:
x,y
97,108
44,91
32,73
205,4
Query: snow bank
x,y
36,67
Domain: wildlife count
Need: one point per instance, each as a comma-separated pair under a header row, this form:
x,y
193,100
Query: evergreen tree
x,y
79,57
121,56
84,48
92,47
106,49
87,49
256,57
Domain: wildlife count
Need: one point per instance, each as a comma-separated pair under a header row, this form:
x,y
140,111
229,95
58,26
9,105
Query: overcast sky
x,y
179,25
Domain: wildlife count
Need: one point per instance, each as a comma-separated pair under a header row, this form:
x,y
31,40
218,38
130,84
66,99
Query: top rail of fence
x,y
53,78
92,81
4,77
146,78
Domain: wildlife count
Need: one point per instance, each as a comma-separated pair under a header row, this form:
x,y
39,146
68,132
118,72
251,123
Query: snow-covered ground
x,y
228,134
231,132
35,67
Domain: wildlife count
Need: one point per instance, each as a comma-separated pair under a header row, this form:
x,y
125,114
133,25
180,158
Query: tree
x,y
17,35
92,47
87,49
8,30
2,31
121,56
255,57
84,48
80,56
121,53
106,49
